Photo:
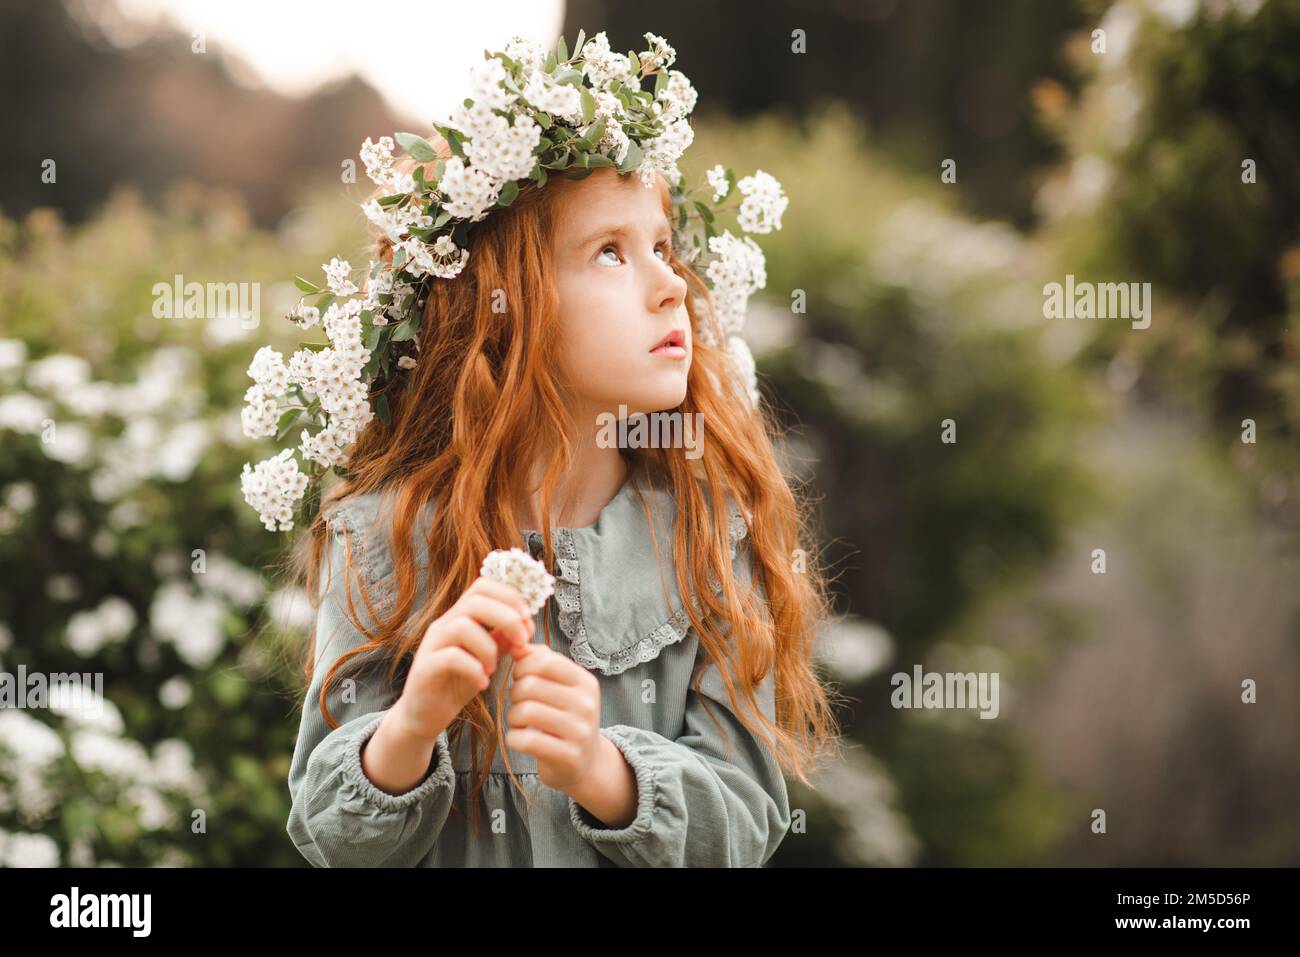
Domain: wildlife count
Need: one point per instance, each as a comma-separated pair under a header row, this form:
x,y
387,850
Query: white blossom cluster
x,y
516,568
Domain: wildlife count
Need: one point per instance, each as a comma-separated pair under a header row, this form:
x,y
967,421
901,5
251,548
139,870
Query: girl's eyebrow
x,y
619,230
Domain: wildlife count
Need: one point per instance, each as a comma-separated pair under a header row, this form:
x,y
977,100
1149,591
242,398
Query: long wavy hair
x,y
482,405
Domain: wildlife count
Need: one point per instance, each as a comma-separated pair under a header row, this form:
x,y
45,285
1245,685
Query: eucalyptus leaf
x,y
287,422
633,158
508,193
417,146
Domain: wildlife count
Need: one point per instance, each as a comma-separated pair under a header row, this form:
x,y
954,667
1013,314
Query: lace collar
x,y
618,602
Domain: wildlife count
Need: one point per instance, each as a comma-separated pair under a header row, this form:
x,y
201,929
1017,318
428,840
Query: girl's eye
x,y
662,247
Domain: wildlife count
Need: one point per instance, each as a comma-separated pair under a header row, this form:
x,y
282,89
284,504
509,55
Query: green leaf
x,y
550,62
313,346
287,422
508,193
570,76
633,158
381,410
705,213
587,142
578,44
599,159
371,337
325,301
441,219
661,81
417,146
588,106
391,199
561,51
304,285
406,329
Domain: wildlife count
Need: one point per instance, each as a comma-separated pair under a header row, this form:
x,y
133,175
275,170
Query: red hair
x,y
482,406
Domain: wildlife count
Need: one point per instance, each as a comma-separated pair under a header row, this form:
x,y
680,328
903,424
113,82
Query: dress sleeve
x,y
702,800
339,818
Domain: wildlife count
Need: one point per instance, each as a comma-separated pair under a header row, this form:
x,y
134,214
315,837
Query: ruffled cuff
x,y
647,788
442,775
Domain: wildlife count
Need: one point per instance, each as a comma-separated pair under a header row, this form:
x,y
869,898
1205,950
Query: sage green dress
x,y
702,800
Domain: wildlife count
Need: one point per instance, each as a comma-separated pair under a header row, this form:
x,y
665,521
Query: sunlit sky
x,y
417,54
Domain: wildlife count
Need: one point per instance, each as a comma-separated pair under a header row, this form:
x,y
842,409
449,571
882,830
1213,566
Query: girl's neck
x,y
596,477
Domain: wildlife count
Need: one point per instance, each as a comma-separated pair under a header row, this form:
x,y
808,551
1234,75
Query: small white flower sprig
x,y
532,113
518,569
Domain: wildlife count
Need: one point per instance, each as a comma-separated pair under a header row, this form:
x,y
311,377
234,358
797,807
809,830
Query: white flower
x,y
764,202
260,414
267,370
678,97
529,54
601,65
505,152
273,488
661,153
88,631
30,850
22,413
659,56
737,273
58,372
485,84
300,366
718,180
561,100
406,362
337,272
303,316
467,192
378,158
447,259
13,352
516,568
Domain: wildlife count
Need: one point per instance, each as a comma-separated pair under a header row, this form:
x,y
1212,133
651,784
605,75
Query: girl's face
x,y
618,297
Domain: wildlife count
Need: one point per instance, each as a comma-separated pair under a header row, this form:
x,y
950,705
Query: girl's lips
x,y
675,338
672,352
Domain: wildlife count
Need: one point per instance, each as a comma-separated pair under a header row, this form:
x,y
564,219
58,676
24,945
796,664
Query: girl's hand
x,y
555,715
458,655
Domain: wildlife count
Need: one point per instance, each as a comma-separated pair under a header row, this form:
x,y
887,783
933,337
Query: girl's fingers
x,y
546,718
498,590
504,620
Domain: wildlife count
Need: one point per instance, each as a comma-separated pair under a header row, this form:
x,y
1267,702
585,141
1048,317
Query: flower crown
x,y
532,113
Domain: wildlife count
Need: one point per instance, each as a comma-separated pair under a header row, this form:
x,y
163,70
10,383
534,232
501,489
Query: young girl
x,y
646,715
